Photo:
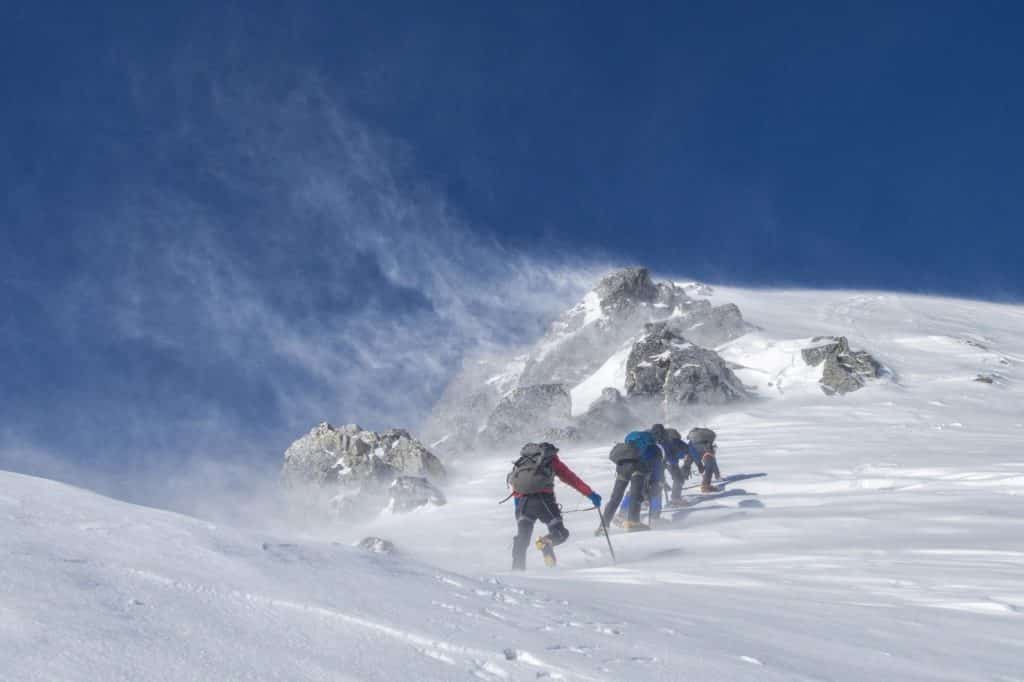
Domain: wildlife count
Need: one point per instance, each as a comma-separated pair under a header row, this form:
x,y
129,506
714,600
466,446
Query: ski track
x,y
877,536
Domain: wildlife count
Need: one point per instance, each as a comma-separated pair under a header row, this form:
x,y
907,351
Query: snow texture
x,y
882,542
612,374
586,350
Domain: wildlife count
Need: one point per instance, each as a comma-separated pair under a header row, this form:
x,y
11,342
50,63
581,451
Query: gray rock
x,y
625,289
350,505
609,414
825,347
698,289
474,409
710,326
411,492
376,545
587,334
561,434
352,468
351,454
844,370
527,414
468,400
665,366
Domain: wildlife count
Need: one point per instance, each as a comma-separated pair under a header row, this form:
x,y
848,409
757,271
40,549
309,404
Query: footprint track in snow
x,y
581,649
454,608
612,629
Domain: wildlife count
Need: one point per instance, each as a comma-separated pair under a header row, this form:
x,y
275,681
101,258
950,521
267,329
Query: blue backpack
x,y
632,448
641,440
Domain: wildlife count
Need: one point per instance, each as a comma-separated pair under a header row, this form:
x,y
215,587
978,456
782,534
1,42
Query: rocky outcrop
x,y
709,326
489,400
609,414
991,378
376,545
626,288
410,492
561,434
468,400
354,469
665,366
529,413
844,370
582,339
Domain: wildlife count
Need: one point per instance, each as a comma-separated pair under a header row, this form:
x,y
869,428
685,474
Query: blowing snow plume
x,y
265,263
628,353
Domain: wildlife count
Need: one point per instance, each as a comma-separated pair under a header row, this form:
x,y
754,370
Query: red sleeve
x,y
566,475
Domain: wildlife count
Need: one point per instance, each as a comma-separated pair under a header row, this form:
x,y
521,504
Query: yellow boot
x,y
634,526
546,548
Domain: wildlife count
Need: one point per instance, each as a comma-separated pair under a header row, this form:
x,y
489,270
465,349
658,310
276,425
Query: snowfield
x,y
612,374
878,537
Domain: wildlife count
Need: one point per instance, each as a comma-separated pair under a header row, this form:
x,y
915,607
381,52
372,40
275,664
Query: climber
x,y
638,468
702,444
676,450
532,480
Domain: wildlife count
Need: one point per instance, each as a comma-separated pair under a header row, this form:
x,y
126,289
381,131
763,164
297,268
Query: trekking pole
x,y
607,538
650,504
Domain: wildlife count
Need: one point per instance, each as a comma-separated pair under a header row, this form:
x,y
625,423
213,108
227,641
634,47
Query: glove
x,y
595,498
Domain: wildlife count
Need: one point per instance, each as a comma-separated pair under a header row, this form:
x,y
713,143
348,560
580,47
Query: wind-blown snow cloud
x,y
272,262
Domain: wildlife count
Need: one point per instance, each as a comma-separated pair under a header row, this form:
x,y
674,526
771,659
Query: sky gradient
x,y
222,225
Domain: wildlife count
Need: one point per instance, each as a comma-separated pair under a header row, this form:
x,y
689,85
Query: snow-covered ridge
x,y
612,374
96,589
581,351
877,537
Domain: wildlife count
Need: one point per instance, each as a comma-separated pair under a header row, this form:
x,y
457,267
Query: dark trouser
x,y
530,509
678,477
628,474
710,468
681,474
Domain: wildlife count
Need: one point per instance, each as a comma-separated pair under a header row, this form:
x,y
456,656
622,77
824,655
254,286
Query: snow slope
x,y
612,374
96,589
882,542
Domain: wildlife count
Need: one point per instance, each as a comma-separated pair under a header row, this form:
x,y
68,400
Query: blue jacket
x,y
651,460
677,450
651,452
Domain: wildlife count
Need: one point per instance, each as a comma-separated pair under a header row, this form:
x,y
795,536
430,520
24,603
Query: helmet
x,y
672,434
657,431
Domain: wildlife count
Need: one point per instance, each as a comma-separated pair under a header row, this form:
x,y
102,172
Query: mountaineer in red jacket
x,y
533,486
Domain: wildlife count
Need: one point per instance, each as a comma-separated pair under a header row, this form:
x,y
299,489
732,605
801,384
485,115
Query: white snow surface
x,y
592,308
506,381
612,374
883,542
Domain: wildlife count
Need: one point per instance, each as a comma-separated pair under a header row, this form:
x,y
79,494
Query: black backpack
x,y
702,438
674,446
623,452
534,470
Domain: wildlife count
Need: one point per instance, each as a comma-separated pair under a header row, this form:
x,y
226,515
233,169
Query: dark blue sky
x,y
211,214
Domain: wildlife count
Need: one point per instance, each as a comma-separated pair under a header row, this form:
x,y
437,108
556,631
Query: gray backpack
x,y
533,471
702,438
623,452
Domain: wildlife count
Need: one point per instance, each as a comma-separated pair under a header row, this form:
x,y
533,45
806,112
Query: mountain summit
x,y
598,349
